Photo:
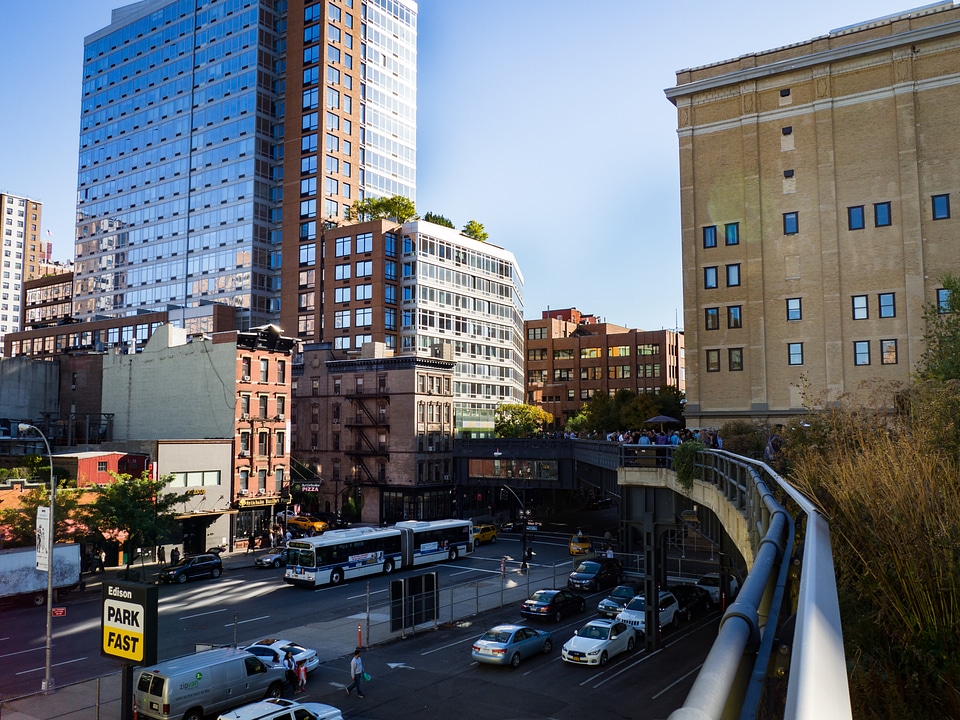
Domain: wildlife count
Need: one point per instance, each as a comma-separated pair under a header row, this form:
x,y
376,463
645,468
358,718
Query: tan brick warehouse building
x,y
816,188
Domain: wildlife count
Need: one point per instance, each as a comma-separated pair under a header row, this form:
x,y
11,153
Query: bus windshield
x,y
301,556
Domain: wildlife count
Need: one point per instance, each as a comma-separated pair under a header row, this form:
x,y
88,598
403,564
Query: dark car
x,y
693,600
592,575
555,604
599,503
193,566
616,601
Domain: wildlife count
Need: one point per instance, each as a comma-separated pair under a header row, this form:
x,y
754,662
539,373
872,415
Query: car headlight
x,y
593,653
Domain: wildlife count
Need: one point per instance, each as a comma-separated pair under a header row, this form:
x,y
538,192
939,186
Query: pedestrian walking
x,y
290,669
162,555
175,556
301,676
356,672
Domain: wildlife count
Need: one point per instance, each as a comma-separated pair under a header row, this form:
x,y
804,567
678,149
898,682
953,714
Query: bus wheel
x,y
453,553
336,577
388,567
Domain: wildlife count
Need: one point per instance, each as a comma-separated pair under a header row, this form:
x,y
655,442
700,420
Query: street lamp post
x,y
47,680
523,517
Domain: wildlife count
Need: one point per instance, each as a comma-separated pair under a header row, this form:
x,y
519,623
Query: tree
x,y
475,230
941,360
137,509
669,402
438,220
397,207
18,525
517,420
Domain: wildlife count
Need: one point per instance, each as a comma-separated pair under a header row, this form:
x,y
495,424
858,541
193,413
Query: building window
x,y
888,305
794,311
734,317
861,352
343,246
731,233
881,214
364,317
341,319
713,361
795,353
710,236
860,307
855,218
733,275
791,223
711,318
943,300
341,295
888,352
941,207
735,359
710,277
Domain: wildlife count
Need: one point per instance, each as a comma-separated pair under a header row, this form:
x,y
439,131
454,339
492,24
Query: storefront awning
x,y
205,513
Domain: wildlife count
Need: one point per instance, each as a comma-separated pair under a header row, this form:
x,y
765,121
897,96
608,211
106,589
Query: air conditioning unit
x,y
242,492
245,416
262,491
446,477
245,378
243,454
280,416
430,448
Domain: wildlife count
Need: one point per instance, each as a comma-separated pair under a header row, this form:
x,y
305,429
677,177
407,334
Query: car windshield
x,y
497,636
594,632
622,593
638,603
588,567
709,581
294,648
543,596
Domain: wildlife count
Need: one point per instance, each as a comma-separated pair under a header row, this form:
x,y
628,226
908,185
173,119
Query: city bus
x,y
339,555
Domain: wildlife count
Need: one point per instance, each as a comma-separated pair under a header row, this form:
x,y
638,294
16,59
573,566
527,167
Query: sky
x,y
544,120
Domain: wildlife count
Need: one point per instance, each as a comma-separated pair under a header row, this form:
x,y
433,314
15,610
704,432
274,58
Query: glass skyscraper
x,y
215,131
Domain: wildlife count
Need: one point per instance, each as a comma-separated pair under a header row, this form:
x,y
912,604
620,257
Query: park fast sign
x,y
129,622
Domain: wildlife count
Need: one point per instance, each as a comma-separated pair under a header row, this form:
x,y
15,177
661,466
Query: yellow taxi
x,y
484,534
580,544
306,523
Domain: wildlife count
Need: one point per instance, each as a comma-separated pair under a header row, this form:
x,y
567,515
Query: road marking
x,y
241,622
41,669
394,666
677,681
211,612
21,652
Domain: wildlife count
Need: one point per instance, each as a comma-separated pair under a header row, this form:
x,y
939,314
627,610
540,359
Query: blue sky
x,y
545,120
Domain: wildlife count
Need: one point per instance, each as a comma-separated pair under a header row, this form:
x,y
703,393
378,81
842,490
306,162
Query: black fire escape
x,y
366,423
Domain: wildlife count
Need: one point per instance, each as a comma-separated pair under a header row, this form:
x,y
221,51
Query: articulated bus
x,y
339,555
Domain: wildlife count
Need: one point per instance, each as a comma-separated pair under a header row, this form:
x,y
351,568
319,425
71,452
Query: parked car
x,y
593,575
509,644
599,503
272,650
616,601
693,600
635,612
598,641
484,534
711,583
280,709
580,544
555,604
272,559
192,566
306,523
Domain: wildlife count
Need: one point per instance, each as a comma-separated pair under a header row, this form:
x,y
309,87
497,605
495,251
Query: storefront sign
x,y
257,502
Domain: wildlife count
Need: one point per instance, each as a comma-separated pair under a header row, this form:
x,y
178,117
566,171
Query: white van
x,y
208,682
280,709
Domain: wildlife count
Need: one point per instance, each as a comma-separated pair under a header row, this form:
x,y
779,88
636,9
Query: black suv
x,y
592,575
193,566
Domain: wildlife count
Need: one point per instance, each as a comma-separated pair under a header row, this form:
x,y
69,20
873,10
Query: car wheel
x,y
493,539
276,563
454,553
388,567
275,690
182,578
336,577
583,605
193,714
216,572
631,644
558,616
688,616
603,658
547,645
515,660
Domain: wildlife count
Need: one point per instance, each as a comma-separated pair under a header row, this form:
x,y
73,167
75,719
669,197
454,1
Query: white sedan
x,y
598,641
272,650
